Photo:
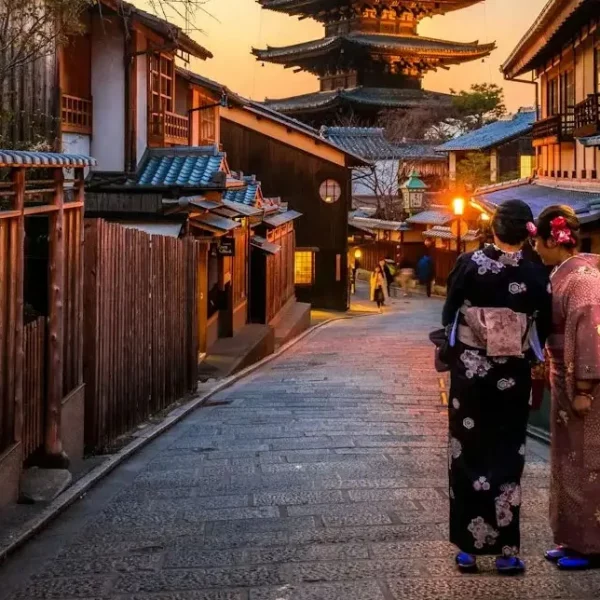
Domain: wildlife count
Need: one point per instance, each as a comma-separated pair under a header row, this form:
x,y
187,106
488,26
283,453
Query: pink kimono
x,y
574,352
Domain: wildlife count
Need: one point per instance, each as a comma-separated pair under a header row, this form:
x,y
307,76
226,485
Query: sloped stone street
x,y
322,476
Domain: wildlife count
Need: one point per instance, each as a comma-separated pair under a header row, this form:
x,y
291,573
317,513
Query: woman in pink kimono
x,y
574,371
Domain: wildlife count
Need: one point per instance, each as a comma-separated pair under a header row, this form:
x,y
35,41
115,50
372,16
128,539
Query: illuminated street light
x,y
458,205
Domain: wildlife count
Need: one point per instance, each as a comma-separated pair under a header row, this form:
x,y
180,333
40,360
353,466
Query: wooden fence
x,y
140,327
34,339
443,262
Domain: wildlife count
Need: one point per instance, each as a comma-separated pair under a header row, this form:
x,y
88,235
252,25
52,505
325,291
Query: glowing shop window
x,y
527,166
304,267
330,191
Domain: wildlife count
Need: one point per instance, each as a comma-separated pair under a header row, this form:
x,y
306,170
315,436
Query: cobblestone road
x,y
320,477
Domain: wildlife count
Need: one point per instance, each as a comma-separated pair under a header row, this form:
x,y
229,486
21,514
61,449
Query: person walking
x,y
406,275
387,265
425,273
498,311
574,373
378,288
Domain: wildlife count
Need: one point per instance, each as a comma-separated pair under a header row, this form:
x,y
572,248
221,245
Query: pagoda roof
x,y
377,98
313,8
393,45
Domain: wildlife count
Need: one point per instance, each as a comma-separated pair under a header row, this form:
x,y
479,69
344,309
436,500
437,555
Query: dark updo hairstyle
x,y
544,229
510,222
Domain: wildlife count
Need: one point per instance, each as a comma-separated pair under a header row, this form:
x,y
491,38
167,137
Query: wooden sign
x,y
226,247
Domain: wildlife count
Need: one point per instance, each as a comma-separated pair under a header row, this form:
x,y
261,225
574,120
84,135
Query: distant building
x,y
370,59
507,143
391,164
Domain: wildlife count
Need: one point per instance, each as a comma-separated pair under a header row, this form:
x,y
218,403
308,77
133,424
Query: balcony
x,y
168,129
555,129
587,113
76,115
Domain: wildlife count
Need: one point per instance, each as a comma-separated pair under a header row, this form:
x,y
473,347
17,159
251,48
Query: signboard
x,y
226,247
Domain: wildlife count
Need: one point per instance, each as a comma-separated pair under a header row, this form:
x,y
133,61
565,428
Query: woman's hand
x,y
582,404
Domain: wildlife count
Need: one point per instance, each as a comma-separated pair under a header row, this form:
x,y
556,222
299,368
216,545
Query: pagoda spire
x,y
371,56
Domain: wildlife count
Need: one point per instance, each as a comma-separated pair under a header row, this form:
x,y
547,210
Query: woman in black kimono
x,y
499,307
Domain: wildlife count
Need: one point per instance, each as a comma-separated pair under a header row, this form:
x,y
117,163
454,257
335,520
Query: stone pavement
x,y
320,477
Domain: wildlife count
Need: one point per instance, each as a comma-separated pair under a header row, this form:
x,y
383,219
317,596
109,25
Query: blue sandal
x,y
510,565
557,553
576,562
466,563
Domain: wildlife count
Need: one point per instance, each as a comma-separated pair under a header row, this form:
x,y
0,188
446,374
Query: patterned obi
x,y
498,331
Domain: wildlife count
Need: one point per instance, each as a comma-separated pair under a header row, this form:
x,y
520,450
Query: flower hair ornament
x,y
560,231
531,229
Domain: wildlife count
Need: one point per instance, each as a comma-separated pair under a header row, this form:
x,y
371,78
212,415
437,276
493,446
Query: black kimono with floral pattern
x,y
489,402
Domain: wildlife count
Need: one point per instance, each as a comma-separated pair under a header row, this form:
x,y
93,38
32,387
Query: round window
x,y
330,191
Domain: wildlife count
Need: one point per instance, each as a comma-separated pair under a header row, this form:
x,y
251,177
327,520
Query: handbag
x,y
445,347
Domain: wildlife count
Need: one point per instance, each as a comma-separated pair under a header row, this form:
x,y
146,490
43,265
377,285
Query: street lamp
x,y
458,205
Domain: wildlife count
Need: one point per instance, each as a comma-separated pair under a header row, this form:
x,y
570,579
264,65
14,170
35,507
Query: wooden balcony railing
x,y
558,128
587,116
76,114
168,128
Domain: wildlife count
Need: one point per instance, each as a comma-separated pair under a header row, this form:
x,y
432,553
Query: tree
x,y
380,181
483,103
30,32
474,170
425,123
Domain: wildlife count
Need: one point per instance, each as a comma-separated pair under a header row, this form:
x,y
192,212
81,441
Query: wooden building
x,y
506,143
41,314
312,176
127,54
370,59
561,51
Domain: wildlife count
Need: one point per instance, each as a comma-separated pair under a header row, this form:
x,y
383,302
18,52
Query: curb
x,y
78,490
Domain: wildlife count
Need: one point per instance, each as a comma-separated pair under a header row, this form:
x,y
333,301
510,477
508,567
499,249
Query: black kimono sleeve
x,y
455,296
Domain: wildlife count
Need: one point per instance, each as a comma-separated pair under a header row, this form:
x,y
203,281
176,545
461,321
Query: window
x,y
208,121
527,166
567,91
161,82
304,267
552,97
330,191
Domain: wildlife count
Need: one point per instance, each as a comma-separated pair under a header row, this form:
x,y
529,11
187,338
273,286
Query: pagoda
x,y
371,58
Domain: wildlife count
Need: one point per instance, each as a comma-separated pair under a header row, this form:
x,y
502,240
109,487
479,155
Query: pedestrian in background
x,y
378,288
387,265
425,273
574,371
496,302
406,276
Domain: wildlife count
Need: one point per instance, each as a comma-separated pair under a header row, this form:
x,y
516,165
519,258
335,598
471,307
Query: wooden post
x,y
79,228
55,457
17,276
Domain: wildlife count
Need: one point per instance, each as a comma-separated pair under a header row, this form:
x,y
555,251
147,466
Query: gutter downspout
x,y
127,58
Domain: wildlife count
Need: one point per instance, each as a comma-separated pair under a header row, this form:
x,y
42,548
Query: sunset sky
x,y
238,25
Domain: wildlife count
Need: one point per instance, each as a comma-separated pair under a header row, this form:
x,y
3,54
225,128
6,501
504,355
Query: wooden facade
x,y
41,314
294,174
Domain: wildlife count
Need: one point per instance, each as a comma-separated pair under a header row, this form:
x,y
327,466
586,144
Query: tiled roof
x,y
247,195
18,158
192,167
419,151
375,97
493,134
314,7
398,44
368,142
263,244
539,197
281,218
167,29
445,233
541,34
372,224
431,217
